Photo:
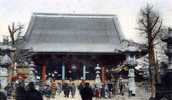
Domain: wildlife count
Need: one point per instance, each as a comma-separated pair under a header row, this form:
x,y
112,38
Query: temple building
x,y
70,44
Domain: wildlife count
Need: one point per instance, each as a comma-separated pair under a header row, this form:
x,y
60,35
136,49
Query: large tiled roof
x,y
73,33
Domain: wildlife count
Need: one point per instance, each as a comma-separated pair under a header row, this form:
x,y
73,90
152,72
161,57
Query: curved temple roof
x,y
73,33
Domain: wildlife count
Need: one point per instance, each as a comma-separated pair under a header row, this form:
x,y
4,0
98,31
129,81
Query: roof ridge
x,y
72,14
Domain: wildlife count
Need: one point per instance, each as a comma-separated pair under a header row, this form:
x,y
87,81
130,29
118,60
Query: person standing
x,y
32,93
87,92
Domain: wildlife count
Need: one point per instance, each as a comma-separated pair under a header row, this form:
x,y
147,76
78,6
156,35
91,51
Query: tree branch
x,y
158,30
12,30
142,22
155,22
141,29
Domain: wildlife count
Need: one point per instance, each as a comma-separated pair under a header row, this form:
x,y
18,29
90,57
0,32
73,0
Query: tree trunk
x,y
152,68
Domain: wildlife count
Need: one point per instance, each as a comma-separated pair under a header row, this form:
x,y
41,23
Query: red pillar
x,y
43,73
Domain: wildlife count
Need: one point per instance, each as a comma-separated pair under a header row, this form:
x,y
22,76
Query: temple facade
x,y
71,45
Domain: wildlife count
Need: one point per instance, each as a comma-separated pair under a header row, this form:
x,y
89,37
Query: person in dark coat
x,y
66,90
32,93
121,86
103,91
9,89
2,94
87,92
81,87
20,91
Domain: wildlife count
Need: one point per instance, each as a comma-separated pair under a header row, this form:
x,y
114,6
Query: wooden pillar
x,y
43,73
103,71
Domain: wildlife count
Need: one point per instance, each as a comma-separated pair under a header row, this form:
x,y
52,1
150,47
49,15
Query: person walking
x,y
3,96
121,86
53,88
73,90
97,93
20,91
103,91
8,90
80,88
66,90
47,91
107,92
59,88
32,93
87,92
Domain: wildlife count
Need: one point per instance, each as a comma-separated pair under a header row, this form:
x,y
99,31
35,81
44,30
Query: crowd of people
x,y
22,92
52,88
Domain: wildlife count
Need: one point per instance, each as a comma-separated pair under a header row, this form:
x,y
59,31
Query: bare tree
x,y
13,30
150,24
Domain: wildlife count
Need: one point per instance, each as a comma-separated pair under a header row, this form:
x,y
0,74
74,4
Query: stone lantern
x,y
32,75
3,77
6,60
98,80
4,72
131,63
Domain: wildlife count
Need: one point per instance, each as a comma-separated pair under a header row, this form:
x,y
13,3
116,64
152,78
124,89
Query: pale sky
x,y
20,11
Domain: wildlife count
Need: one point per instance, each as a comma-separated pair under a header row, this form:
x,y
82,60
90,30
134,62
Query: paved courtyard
x,y
141,95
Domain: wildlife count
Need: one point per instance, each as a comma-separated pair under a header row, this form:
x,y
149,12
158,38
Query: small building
x,y
74,40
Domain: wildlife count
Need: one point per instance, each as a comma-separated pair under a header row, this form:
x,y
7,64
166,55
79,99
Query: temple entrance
x,y
62,66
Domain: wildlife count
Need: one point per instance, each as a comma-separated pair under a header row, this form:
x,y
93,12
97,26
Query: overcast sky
x,y
20,11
